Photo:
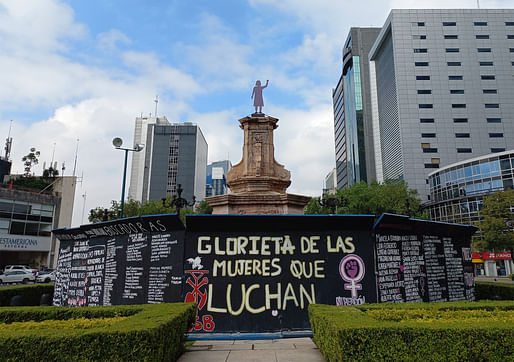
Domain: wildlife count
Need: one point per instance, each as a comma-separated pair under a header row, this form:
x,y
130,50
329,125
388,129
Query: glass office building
x,y
457,190
353,130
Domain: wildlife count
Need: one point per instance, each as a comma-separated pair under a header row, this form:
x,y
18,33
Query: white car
x,y
43,277
17,276
20,267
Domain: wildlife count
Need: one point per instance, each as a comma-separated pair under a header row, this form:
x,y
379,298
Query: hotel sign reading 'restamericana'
x,y
25,243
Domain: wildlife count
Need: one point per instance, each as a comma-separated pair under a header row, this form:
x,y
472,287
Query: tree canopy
x,y
136,208
376,198
497,222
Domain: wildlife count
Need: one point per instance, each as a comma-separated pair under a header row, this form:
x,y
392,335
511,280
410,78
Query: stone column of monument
x,y
258,183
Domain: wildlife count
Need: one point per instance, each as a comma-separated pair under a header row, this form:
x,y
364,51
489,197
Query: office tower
x,y
443,81
352,111
173,154
330,183
216,178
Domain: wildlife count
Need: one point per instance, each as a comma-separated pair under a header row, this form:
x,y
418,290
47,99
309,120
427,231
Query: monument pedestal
x,y
258,183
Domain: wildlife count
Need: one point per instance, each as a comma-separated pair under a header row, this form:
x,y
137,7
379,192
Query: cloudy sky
x,y
83,70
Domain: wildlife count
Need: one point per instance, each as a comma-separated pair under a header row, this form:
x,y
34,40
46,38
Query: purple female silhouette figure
x,y
258,101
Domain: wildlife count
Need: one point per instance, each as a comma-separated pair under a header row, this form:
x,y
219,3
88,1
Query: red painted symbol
x,y
197,281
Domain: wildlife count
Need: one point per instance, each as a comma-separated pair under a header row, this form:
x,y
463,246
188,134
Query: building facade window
x,y
489,91
449,23
496,135
460,120
428,135
485,64
426,120
462,135
487,77
510,36
419,37
455,77
496,150
422,77
456,91
453,64
492,105
480,23
420,50
451,36
484,50
494,120
421,64
464,150
458,105
424,91
452,50
482,36
425,105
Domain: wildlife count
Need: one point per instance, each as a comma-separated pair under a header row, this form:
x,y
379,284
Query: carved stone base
x,y
255,203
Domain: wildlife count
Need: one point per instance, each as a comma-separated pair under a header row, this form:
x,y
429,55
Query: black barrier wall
x,y
423,261
259,273
129,261
254,273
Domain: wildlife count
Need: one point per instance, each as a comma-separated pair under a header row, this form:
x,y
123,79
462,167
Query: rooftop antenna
x,y
8,144
478,4
84,196
76,155
53,154
156,101
62,169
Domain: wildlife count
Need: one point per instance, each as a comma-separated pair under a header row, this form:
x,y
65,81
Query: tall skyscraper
x,y
216,178
352,111
443,82
173,154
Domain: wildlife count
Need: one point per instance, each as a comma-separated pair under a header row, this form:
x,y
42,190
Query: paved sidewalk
x,y
277,350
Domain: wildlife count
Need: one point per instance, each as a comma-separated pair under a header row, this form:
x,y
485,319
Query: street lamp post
x,y
117,142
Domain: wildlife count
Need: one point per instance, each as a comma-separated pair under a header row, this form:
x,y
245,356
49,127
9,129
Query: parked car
x,y
20,267
45,277
17,276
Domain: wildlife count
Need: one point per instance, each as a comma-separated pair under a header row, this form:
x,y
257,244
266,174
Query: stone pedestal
x,y
258,183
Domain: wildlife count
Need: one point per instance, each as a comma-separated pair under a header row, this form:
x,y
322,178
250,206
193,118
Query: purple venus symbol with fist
x,y
351,269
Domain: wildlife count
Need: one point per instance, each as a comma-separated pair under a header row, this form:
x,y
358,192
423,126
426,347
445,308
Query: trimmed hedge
x,y
494,291
350,333
30,294
151,332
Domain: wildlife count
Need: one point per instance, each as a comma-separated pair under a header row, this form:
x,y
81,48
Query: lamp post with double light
x,y
117,142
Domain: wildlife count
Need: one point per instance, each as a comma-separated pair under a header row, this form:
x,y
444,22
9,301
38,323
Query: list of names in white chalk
x,y
413,268
95,274
435,268
390,281
111,270
159,276
134,271
454,271
77,284
62,278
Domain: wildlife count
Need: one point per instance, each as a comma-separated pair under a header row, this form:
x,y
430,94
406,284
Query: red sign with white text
x,y
490,256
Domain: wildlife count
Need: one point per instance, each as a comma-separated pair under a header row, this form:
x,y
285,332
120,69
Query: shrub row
x,y
30,294
350,333
494,291
150,332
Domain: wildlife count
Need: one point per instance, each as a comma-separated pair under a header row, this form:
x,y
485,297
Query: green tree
x,y
136,208
390,196
50,173
204,208
29,160
497,223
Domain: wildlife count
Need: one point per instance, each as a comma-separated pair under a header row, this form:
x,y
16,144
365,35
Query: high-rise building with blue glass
x,y
352,111
217,178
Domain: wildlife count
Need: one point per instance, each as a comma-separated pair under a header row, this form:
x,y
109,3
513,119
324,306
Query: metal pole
x,y
123,185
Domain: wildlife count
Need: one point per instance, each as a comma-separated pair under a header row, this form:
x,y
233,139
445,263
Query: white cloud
x,y
37,25
111,40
